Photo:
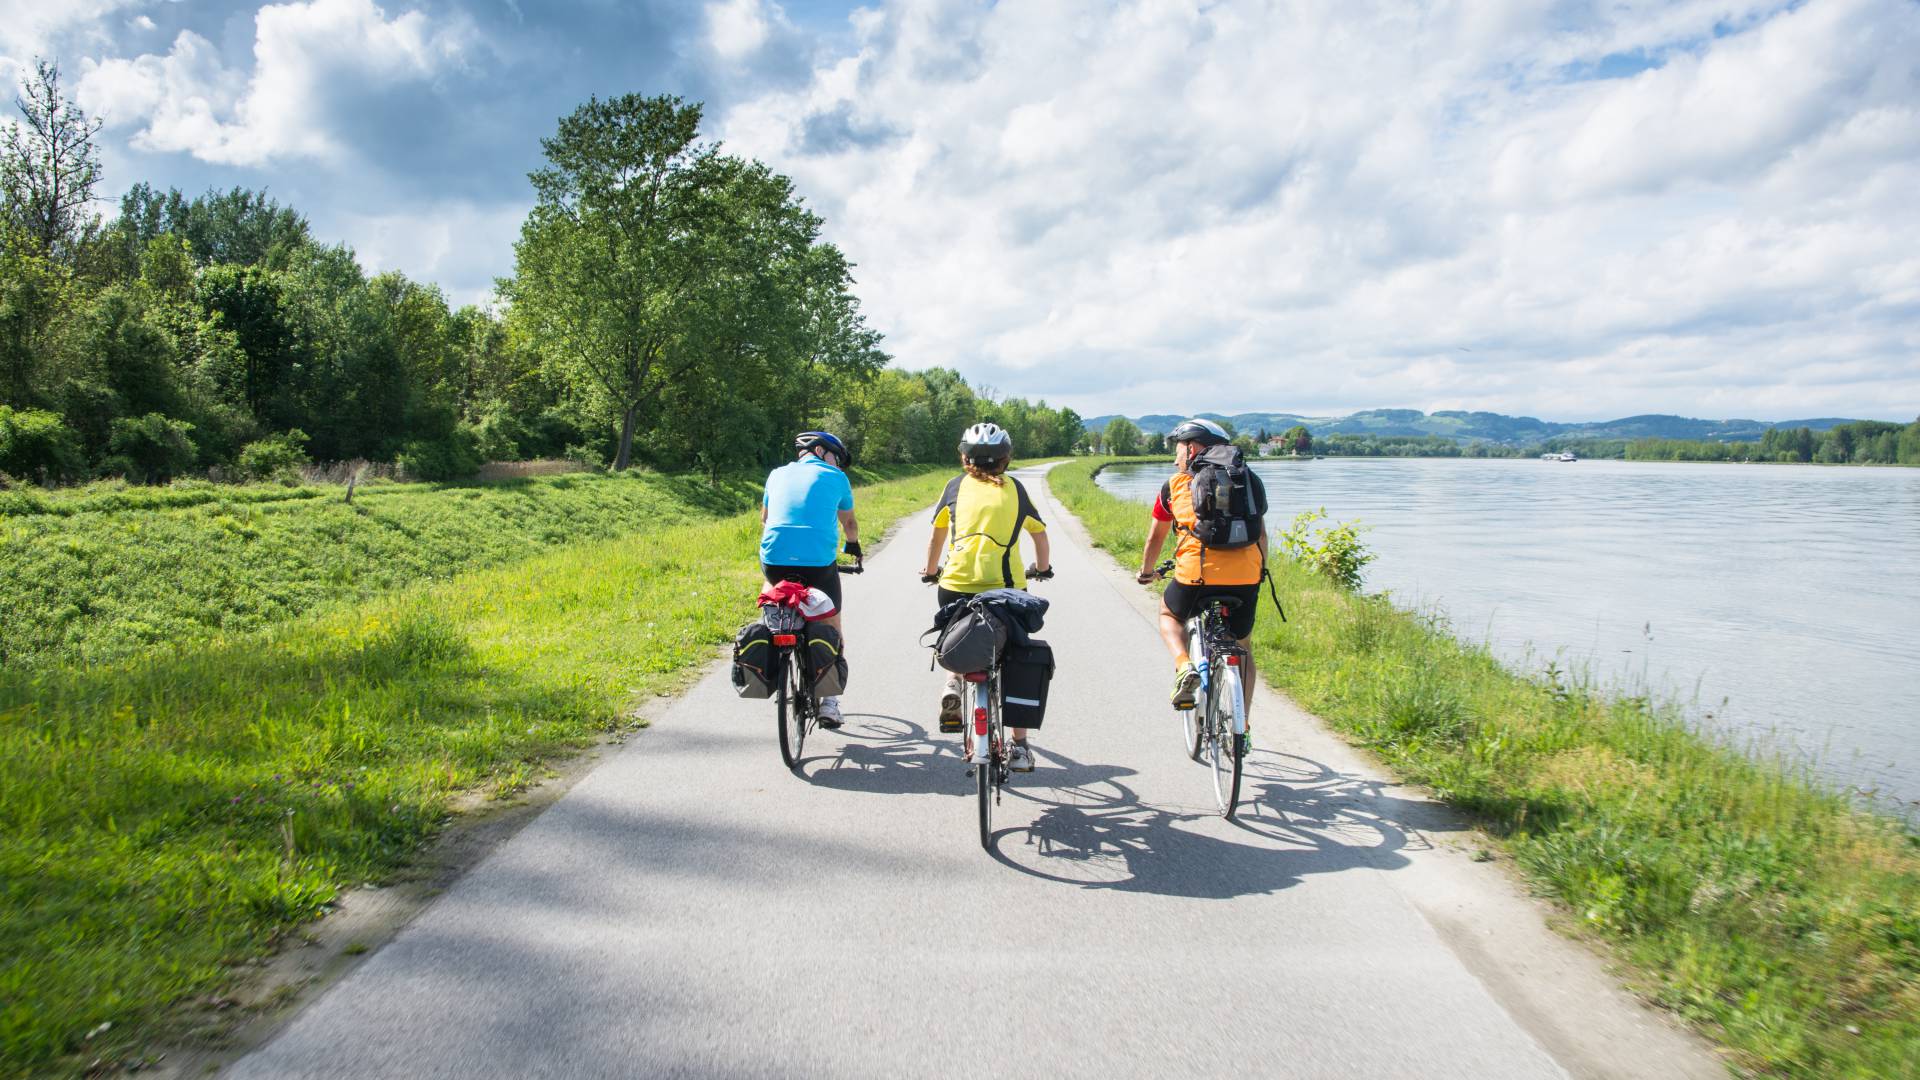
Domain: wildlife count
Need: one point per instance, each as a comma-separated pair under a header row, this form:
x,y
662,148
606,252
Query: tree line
x,y
671,305
1862,442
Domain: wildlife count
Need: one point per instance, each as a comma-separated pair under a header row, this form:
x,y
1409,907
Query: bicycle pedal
x,y
950,727
1188,707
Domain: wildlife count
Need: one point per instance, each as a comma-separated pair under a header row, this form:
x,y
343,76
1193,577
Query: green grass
x,y
100,574
1745,896
165,817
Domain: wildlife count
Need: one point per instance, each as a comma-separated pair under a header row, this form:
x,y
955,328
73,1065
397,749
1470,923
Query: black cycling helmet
x,y
807,440
985,443
1204,432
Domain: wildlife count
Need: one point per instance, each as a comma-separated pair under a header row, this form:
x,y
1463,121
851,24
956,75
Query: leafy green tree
x,y
33,293
250,303
1122,437
238,227
616,250
49,166
35,445
151,449
1298,439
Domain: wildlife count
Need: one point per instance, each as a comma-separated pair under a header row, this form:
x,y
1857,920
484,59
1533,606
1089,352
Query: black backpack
x,y
1228,509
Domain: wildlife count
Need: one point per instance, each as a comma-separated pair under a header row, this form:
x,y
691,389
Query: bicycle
x,y
987,760
1216,722
797,712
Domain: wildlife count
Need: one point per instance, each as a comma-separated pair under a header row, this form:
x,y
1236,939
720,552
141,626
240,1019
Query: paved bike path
x,y
692,908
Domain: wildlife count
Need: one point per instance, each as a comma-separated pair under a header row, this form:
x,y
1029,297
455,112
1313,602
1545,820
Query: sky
x,y
1571,210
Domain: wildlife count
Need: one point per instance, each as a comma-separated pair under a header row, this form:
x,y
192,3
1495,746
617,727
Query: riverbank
x,y
1761,907
170,818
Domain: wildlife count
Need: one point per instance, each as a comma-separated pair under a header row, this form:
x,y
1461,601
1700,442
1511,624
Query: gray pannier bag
x,y
970,641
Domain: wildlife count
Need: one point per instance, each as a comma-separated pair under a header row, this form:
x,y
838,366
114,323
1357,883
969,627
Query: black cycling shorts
x,y
1184,601
824,578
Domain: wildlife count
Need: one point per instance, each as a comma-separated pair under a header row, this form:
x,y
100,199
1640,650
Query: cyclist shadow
x,y
887,755
1297,817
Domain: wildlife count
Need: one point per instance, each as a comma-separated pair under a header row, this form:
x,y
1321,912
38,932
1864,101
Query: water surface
x,y
1777,600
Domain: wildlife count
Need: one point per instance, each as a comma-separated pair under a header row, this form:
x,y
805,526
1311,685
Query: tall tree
x,y
614,253
49,166
237,226
1122,437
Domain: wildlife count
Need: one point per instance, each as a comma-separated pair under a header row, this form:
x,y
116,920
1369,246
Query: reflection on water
x,y
1781,600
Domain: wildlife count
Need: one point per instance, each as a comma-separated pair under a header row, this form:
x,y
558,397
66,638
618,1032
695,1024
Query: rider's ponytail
x,y
992,476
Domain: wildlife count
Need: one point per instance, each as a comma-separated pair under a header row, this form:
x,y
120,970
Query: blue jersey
x,y
803,502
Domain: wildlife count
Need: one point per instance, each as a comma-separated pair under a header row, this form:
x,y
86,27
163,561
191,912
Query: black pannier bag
x,y
1025,673
820,650
753,658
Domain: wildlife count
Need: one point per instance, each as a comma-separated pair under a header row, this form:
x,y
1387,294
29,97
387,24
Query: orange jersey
x,y
1193,563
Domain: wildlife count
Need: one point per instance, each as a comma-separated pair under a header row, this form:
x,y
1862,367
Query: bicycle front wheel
x,y
1196,719
793,713
1224,751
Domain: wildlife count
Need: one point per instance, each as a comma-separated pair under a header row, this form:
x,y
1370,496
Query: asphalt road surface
x,y
693,908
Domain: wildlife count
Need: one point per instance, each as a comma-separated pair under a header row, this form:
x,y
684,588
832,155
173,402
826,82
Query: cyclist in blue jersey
x,y
807,504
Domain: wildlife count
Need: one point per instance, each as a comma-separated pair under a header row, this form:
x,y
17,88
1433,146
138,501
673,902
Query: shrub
x,y
1338,555
36,445
274,457
151,449
500,436
454,456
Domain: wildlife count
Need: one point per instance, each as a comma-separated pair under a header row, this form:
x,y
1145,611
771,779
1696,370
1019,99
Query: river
x,y
1781,603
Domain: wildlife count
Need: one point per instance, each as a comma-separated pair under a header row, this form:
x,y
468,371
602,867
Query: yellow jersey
x,y
986,519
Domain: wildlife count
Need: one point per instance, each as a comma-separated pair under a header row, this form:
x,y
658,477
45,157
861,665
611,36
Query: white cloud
x,y
456,244
305,55
736,28
1380,203
30,27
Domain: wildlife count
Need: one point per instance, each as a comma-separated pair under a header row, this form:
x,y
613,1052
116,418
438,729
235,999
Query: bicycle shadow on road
x,y
1298,817
888,755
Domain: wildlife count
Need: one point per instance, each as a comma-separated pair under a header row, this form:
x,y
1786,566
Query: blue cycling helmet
x,y
807,440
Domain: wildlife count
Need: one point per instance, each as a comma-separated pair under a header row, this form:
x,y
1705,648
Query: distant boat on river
x,y
1565,455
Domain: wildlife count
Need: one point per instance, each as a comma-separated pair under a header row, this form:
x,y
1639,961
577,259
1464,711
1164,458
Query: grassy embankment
x,y
166,816
101,574
1763,908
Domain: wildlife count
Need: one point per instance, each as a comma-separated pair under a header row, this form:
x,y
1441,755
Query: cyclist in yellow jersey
x,y
984,511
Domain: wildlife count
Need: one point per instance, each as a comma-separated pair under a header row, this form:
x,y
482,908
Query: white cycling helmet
x,y
985,443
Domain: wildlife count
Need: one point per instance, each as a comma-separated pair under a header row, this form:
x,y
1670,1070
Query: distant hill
x,y
1486,426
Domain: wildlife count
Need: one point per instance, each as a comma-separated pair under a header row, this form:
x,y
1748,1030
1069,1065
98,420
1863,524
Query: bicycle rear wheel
x,y
984,772
795,716
1224,751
